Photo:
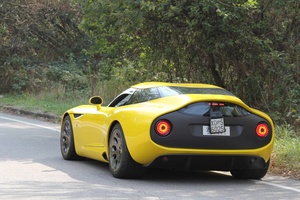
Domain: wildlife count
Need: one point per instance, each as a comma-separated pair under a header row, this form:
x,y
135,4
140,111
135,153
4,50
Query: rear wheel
x,y
67,140
121,165
250,173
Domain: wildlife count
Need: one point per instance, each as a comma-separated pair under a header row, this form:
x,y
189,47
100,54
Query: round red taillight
x,y
262,130
163,127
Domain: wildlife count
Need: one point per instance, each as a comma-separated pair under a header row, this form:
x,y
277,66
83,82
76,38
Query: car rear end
x,y
229,135
211,130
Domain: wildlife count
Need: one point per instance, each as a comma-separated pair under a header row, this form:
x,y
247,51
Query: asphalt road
x,y
31,167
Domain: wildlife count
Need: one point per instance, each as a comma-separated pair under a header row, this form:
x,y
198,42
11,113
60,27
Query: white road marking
x,y
31,124
267,182
280,186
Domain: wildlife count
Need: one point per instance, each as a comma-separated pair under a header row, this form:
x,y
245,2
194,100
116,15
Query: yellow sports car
x,y
170,125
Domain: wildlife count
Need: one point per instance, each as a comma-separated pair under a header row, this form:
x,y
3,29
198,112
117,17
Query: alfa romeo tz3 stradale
x,y
170,125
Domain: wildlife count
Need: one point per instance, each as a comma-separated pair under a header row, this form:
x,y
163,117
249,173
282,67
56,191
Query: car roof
x,y
157,84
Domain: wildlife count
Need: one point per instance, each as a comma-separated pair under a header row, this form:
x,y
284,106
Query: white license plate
x,y
206,131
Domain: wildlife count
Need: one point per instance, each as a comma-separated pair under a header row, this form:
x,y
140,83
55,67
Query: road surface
x,y
31,167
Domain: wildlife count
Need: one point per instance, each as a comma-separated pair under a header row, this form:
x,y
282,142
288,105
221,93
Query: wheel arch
x,y
109,130
64,116
112,126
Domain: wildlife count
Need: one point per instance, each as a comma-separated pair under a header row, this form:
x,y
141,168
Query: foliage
x,y
32,35
249,47
22,75
39,28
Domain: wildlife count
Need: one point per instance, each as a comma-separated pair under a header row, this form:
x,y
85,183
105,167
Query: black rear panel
x,y
207,162
189,131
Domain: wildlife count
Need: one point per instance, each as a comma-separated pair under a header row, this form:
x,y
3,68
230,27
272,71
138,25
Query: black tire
x,y
67,147
250,173
121,165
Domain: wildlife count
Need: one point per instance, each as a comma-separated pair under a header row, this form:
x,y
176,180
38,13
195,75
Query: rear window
x,y
170,91
203,109
148,94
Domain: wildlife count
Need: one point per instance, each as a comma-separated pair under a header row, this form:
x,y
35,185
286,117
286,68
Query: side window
x,y
121,100
143,95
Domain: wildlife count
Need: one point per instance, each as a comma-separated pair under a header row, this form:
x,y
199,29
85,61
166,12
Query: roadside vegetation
x,y
55,54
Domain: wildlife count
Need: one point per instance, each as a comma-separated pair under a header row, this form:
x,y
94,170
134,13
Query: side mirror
x,y
96,100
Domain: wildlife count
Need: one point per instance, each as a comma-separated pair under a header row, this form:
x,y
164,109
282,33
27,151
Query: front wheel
x,y
250,173
67,146
121,165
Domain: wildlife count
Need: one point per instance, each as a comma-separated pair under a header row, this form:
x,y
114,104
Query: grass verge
x,y
43,103
285,157
286,152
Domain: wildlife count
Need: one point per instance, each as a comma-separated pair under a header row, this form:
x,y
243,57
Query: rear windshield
x,y
204,108
148,94
173,90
